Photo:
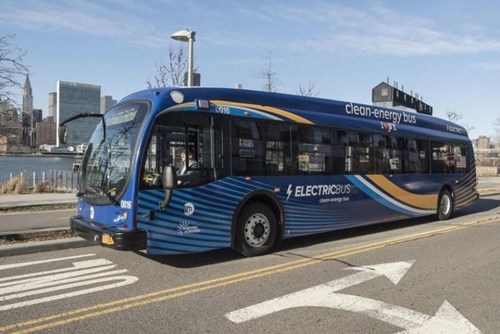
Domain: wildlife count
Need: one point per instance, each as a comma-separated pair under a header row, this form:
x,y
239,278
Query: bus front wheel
x,y
445,205
256,230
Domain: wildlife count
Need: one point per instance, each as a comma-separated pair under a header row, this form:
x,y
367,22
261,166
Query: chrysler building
x,y
27,97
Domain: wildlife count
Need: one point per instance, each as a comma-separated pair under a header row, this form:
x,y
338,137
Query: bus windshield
x,y
107,161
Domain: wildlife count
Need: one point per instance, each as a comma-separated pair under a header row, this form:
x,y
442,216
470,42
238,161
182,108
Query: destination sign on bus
x,y
122,116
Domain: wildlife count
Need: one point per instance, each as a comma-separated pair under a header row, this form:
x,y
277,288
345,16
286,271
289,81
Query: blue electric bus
x,y
183,170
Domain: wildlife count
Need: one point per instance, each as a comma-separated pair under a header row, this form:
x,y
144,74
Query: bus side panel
x,y
196,220
200,219
466,187
325,203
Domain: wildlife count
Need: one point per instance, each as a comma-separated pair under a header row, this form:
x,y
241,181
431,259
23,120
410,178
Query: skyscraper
x,y
52,104
27,97
27,113
73,99
106,103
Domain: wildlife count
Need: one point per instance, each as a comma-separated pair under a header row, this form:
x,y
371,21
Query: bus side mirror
x,y
62,135
169,182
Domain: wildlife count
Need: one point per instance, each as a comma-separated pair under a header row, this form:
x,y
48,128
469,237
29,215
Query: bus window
x,y
443,160
460,156
418,156
338,159
186,146
314,151
151,172
247,146
387,157
277,148
357,153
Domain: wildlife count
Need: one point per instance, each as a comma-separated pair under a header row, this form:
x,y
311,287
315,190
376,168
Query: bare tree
x,y
310,90
11,67
457,117
172,73
270,77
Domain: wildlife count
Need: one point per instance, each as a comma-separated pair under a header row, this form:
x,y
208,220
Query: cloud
x,y
374,30
313,26
81,17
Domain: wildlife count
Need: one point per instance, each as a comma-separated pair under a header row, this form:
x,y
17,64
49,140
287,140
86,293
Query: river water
x,y
29,164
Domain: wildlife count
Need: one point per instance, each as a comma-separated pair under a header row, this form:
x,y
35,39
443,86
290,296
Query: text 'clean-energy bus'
x,y
183,170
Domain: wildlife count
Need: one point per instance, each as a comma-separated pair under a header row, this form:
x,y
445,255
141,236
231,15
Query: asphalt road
x,y
419,275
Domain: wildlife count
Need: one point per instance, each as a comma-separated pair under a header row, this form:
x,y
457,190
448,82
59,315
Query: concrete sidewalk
x,y
12,201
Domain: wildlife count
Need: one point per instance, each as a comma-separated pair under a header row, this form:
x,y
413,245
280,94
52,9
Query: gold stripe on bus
x,y
181,105
272,110
419,201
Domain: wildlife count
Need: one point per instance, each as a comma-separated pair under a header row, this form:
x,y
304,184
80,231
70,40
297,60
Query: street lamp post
x,y
187,36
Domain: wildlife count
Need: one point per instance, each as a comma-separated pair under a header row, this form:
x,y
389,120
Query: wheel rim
x,y
445,204
257,230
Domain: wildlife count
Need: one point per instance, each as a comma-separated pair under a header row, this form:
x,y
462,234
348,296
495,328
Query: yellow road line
x,y
176,292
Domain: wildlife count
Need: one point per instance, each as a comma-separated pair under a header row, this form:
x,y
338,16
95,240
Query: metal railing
x,y
58,180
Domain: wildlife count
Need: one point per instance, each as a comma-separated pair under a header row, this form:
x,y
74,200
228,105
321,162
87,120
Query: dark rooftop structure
x,y
390,96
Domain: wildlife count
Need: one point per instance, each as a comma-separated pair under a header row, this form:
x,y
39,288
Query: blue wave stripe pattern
x,y
200,219
177,230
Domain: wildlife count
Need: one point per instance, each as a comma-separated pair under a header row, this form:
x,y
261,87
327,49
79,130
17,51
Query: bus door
x,y
197,147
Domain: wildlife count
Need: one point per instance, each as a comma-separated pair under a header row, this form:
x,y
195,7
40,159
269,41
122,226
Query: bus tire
x,y
445,205
256,230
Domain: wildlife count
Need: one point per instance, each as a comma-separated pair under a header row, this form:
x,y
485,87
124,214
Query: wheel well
x,y
447,187
264,198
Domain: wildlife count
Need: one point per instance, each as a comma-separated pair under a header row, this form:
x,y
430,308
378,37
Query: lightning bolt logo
x,y
289,191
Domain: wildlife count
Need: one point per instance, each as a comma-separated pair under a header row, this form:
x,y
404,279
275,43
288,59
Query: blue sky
x,y
446,51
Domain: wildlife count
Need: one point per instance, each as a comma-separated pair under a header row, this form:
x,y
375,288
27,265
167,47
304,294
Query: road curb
x,y
21,207
43,246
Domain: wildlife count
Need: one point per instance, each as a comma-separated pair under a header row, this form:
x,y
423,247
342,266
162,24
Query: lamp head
x,y
183,35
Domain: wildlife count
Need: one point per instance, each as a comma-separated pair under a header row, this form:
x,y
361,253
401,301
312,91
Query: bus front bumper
x,y
108,236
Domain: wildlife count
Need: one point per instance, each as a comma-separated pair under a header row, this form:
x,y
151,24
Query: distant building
x,y
387,96
107,102
11,124
27,113
73,99
27,97
483,142
7,143
51,111
37,116
487,154
12,145
46,132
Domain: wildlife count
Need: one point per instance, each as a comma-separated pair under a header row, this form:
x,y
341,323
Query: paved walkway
x,y
22,200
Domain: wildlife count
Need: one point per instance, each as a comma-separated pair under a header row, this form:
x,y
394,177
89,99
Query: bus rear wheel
x,y
256,230
445,205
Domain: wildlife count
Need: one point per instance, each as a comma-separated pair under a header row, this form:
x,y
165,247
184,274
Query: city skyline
x,y
445,52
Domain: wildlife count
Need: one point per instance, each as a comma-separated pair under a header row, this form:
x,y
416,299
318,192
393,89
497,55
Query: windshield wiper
x,y
111,198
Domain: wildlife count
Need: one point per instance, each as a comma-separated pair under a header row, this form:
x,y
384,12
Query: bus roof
x,y
301,109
